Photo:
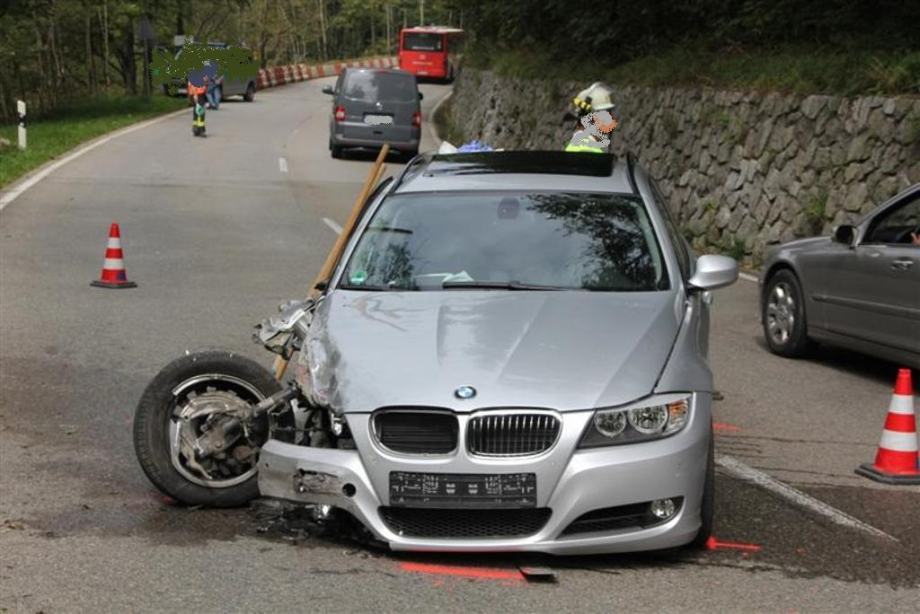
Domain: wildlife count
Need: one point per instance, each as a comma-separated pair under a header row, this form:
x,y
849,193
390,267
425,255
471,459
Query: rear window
x,y
422,41
371,86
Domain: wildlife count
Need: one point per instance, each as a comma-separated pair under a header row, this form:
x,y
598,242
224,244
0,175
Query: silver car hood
x,y
560,350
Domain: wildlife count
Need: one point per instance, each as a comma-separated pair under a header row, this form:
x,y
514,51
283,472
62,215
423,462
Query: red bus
x,y
430,51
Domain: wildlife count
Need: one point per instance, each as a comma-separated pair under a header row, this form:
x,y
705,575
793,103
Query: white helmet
x,y
597,97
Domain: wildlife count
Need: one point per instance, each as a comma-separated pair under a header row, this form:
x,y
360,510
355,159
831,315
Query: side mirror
x,y
421,96
327,89
714,272
845,234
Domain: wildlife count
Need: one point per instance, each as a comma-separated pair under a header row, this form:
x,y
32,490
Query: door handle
x,y
902,264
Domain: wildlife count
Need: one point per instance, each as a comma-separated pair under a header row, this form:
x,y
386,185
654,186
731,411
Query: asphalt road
x,y
216,233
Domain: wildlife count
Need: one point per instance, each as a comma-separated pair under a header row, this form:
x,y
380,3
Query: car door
x,y
872,290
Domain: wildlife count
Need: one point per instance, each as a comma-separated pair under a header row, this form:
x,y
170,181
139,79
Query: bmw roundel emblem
x,y
465,392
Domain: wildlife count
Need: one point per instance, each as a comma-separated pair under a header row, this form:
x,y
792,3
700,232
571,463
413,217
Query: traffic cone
x,y
897,461
114,274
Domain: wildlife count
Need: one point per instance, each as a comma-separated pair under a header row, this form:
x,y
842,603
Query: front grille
x,y
511,434
634,516
464,523
416,432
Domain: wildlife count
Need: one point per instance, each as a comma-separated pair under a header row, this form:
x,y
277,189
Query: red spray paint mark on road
x,y
715,544
475,573
724,427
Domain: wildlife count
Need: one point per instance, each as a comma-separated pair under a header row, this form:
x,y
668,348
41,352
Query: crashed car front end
x,y
512,461
584,500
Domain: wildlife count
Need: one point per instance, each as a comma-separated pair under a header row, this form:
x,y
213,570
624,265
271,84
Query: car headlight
x,y
654,418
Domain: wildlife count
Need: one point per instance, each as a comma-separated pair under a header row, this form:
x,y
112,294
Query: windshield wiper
x,y
498,285
404,231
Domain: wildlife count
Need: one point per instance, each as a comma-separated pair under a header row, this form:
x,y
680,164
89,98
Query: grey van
x,y
372,107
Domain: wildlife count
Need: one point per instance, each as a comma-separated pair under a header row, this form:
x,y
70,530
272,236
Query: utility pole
x,y
421,12
386,11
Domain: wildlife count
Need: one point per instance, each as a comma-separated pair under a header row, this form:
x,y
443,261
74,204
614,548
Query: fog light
x,y
663,508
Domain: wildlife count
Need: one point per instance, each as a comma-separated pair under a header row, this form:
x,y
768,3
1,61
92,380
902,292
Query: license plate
x,y
472,490
378,120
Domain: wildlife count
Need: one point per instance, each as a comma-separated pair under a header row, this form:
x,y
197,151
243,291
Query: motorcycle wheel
x,y
202,380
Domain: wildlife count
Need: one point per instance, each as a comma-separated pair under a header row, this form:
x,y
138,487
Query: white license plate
x,y
378,120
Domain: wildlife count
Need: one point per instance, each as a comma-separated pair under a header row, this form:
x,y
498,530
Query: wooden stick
x,y
335,253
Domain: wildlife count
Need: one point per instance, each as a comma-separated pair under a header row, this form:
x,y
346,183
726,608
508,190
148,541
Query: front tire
x,y
193,381
250,94
785,327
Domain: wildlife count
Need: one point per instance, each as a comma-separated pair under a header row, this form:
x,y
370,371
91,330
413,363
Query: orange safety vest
x,y
192,90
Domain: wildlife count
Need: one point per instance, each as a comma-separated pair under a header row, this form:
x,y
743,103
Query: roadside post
x,y
21,120
373,177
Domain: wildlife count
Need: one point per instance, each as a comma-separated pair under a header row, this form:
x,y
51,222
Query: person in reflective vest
x,y
197,94
599,117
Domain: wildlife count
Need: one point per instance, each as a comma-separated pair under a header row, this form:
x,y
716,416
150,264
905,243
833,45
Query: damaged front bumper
x,y
572,485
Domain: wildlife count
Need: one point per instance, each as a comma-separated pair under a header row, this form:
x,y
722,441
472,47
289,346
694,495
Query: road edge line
x,y
748,277
332,225
19,187
801,499
432,125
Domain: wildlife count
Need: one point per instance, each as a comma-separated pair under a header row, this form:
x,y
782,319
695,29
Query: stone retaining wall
x,y
742,170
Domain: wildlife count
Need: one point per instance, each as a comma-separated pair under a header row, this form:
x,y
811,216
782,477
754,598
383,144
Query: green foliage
x,y
55,51
799,69
69,126
733,247
814,211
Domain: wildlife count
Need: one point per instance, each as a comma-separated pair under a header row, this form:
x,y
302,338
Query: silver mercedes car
x,y
516,346
859,288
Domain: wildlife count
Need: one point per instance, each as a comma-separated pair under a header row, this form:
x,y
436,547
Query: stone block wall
x,y
742,170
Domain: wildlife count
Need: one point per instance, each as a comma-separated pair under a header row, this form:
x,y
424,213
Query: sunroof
x,y
541,162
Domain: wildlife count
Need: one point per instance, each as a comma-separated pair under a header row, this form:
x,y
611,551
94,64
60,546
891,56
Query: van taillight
x,y
417,119
340,113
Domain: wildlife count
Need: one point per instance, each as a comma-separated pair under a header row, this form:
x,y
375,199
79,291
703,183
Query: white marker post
x,y
21,112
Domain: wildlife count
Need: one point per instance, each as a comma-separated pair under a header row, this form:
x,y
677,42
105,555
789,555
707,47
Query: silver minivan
x,y
375,106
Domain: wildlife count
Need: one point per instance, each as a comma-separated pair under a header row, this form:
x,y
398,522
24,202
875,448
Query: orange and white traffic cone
x,y
114,274
897,461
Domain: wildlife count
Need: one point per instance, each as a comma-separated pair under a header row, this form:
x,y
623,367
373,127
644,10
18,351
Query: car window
x,y
895,225
422,41
677,240
576,241
373,86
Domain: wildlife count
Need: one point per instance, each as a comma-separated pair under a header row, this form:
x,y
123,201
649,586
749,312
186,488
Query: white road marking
x,y
335,227
748,277
18,188
432,127
282,164
749,474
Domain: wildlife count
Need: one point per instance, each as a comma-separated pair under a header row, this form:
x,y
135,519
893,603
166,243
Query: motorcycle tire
x,y
198,373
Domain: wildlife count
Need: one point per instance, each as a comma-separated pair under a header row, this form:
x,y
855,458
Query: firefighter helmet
x,y
597,97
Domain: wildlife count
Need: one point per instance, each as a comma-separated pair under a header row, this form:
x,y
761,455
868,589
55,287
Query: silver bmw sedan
x,y
515,345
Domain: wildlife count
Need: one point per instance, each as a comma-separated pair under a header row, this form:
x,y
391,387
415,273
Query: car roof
x,y
393,71
518,170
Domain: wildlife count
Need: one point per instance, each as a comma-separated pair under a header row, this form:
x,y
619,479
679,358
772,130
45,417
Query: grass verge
x,y
51,136
798,69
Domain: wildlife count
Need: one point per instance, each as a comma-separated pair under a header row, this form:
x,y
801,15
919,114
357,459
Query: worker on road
x,y
197,92
599,117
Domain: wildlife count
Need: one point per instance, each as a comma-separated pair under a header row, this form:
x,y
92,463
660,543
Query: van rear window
x,y
371,86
